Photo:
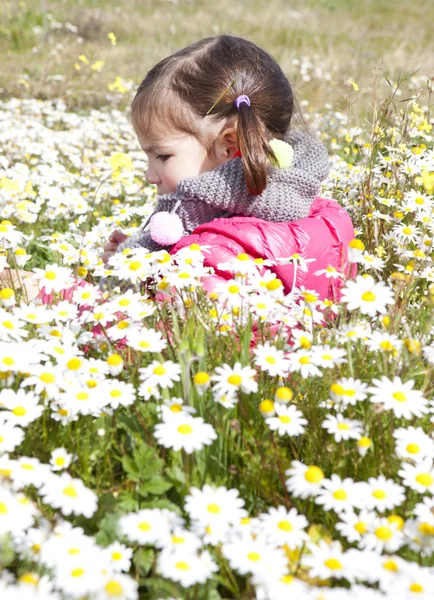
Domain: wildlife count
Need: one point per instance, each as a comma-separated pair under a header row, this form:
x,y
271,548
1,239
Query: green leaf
x,y
130,467
160,585
245,345
143,559
130,424
147,462
107,533
156,485
161,503
175,474
126,501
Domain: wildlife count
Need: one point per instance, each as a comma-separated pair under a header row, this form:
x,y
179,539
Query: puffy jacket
x,y
323,235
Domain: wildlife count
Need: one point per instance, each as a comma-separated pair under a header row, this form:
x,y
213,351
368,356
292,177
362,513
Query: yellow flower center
x,y
425,479
185,429
234,379
50,275
343,426
255,556
379,494
285,526
383,533
114,360
400,396
361,527
77,572
314,474
70,491
160,370
114,588
284,394
274,284
266,406
285,419
144,526
73,364
214,509
390,565
368,297
19,411
416,587
182,566
333,563
201,378
233,289
340,495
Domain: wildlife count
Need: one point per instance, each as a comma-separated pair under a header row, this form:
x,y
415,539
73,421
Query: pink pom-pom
x,y
166,228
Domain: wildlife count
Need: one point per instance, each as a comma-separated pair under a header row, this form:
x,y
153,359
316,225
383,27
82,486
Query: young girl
x,y
209,118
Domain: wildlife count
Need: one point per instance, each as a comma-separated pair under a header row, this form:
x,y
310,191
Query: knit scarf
x,y
223,192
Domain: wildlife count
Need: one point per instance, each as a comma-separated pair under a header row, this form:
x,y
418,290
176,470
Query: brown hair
x,y
179,91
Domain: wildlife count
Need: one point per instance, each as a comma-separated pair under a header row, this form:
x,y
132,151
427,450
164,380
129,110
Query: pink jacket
x,y
324,235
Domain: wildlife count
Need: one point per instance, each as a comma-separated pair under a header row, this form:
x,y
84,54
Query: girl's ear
x,y
226,143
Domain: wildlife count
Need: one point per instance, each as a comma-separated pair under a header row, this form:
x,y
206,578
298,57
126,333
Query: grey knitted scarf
x,y
223,192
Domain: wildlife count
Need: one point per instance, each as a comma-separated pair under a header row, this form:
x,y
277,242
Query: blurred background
x,y
93,53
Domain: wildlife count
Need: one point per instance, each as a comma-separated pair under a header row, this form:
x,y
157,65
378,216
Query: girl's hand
x,y
116,238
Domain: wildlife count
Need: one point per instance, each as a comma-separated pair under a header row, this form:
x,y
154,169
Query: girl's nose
x,y
152,177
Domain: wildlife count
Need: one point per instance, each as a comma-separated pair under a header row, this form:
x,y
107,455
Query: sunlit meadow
x,y
157,442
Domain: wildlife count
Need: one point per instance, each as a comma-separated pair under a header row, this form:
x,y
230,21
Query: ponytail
x,y
254,147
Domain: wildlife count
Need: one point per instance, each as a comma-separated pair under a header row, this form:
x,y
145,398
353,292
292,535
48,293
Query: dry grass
x,y
343,39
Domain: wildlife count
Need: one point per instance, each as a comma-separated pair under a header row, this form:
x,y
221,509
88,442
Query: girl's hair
x,y
179,91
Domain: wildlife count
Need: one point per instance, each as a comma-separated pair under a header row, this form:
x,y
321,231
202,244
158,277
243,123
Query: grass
x,y
343,40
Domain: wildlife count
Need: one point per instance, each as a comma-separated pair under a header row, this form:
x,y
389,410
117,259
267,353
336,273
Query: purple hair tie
x,y
240,99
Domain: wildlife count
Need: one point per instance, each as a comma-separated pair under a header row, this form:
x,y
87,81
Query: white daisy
x,y
232,379
337,494
280,526
10,435
70,495
182,431
304,480
382,535
60,459
305,362
23,408
398,396
414,443
254,555
419,477
353,526
54,278
327,560
288,420
214,506
187,568
270,360
163,374
381,494
146,340
342,428
367,295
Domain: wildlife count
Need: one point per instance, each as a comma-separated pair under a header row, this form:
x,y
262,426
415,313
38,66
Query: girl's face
x,y
178,156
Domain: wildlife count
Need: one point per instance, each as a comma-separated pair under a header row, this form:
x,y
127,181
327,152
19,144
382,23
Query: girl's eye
x,y
163,157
